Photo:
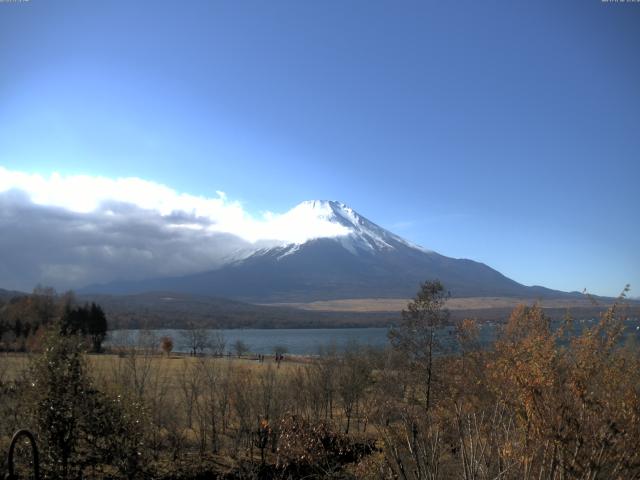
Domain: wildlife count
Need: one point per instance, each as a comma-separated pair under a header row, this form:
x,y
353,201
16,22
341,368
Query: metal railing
x,y
11,474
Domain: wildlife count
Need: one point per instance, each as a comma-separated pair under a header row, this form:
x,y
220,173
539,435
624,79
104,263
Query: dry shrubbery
x,y
544,402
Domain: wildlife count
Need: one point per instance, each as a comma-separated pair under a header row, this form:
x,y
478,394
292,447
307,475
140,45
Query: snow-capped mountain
x,y
354,232
336,253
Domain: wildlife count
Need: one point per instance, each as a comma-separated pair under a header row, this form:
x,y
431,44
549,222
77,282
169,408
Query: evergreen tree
x,y
79,426
97,328
86,321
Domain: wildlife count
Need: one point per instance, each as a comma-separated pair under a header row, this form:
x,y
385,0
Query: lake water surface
x,y
297,341
301,341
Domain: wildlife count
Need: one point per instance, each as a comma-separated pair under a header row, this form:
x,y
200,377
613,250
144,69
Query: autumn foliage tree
x,y
547,400
574,397
166,345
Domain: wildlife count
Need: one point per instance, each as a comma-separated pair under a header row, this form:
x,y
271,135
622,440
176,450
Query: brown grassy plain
x,y
466,303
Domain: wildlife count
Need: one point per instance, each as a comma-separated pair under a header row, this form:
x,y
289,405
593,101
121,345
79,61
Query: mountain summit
x,y
317,219
337,254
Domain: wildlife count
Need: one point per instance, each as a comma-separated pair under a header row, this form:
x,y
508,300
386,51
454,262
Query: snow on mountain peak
x,y
309,220
326,211
322,219
314,219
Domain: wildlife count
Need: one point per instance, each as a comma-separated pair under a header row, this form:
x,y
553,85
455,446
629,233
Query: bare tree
x,y
213,402
416,335
323,374
197,339
240,347
243,390
135,362
189,382
354,376
217,342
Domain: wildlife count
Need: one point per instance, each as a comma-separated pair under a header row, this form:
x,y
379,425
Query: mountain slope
x,y
352,257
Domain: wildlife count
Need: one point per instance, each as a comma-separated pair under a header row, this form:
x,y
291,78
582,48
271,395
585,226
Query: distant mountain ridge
x,y
8,294
356,259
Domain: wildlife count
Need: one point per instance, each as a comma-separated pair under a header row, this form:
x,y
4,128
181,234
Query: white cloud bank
x,y
70,231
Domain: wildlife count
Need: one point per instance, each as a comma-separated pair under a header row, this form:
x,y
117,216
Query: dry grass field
x,y
12,364
469,303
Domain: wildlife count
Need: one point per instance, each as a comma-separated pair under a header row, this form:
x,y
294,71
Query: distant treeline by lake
x,y
173,311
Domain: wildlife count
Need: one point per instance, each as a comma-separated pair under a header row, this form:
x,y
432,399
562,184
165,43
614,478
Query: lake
x,y
296,341
300,341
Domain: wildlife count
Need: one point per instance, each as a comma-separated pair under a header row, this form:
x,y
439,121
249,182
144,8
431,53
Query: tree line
x,y
25,319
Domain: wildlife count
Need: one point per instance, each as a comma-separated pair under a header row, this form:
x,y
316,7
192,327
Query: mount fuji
x,y
337,254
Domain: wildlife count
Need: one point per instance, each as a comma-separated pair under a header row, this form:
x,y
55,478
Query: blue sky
x,y
505,132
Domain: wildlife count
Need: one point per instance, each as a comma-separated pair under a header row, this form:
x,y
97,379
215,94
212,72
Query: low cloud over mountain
x,y
71,231
131,235
55,246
